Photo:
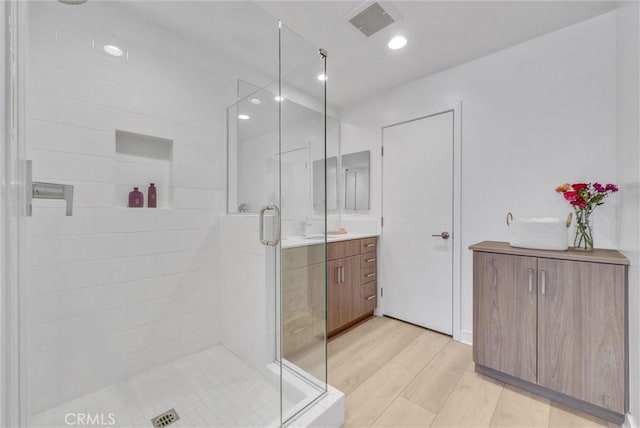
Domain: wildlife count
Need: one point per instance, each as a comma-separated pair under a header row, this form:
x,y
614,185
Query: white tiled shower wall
x,y
114,291
247,314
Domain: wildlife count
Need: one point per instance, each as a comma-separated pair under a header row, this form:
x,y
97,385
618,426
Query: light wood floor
x,y
396,374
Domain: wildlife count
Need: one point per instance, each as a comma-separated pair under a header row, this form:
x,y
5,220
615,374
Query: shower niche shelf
x,y
140,160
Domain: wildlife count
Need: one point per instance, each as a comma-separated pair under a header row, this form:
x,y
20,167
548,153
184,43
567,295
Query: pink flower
x,y
612,187
579,186
599,187
579,203
570,195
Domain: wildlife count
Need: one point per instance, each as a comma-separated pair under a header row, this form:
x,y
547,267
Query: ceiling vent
x,y
371,20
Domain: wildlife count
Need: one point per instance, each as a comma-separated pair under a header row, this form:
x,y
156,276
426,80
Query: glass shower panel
x,y
303,261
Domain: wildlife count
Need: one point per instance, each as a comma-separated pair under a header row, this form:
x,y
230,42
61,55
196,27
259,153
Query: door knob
x,y
443,235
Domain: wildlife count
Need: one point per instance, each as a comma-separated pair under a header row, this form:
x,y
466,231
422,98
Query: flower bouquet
x,y
584,198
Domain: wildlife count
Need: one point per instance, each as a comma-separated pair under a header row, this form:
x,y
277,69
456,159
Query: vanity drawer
x,y
338,250
369,245
369,297
297,334
368,274
367,260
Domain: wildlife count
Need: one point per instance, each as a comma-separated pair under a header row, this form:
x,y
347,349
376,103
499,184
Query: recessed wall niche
x,y
140,160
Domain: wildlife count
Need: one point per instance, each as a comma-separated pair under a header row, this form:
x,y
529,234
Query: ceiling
x,y
441,35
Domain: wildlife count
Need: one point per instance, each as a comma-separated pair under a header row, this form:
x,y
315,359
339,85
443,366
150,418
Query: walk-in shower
x,y
118,309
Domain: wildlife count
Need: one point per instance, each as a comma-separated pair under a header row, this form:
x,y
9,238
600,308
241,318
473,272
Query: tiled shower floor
x,y
211,388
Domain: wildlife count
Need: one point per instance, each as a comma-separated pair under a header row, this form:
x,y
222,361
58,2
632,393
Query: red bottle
x,y
136,198
152,201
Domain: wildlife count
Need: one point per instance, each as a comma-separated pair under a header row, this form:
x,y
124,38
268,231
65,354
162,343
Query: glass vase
x,y
583,240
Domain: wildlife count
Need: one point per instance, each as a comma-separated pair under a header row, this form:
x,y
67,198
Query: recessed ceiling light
x,y
243,116
322,77
255,101
398,42
278,98
112,50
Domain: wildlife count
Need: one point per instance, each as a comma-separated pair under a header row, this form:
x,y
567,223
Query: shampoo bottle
x,y
136,198
152,201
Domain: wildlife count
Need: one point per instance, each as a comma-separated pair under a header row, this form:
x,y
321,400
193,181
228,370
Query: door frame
x,y
459,335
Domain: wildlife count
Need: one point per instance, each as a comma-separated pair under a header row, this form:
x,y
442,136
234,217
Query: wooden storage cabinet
x,y
581,331
554,323
352,275
505,305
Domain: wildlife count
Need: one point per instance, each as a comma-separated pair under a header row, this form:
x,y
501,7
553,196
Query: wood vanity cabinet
x,y
554,322
352,281
352,291
303,299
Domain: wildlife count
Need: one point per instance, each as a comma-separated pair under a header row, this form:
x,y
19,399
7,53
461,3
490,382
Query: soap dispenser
x,y
152,201
136,198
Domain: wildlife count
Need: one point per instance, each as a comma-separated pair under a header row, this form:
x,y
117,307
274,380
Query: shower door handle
x,y
40,190
276,239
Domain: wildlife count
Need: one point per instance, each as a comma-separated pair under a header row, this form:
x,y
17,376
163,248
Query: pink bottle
x,y
136,198
152,201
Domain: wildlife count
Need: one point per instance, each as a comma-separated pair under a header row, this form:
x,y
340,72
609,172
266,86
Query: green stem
x,y
583,239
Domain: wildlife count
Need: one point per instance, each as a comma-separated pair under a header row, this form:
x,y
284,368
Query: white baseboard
x,y
466,337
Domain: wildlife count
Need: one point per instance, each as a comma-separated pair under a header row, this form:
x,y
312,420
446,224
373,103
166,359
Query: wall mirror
x,y
332,184
355,179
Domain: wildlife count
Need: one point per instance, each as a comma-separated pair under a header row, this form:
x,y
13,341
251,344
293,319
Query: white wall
x,y
113,291
628,162
246,299
533,116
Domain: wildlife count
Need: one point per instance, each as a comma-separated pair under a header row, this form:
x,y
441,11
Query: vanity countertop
x,y
303,241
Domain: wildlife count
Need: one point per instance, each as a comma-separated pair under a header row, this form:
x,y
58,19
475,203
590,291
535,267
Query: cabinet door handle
x,y
370,245
371,297
544,282
371,275
338,275
341,273
530,280
370,260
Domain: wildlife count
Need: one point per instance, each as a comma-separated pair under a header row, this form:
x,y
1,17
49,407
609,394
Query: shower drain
x,y
165,419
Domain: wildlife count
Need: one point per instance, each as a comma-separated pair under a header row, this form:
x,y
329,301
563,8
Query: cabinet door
x,y
345,303
352,300
581,339
334,283
504,313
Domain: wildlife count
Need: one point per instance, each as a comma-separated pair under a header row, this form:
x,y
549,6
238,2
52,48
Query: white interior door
x,y
416,260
